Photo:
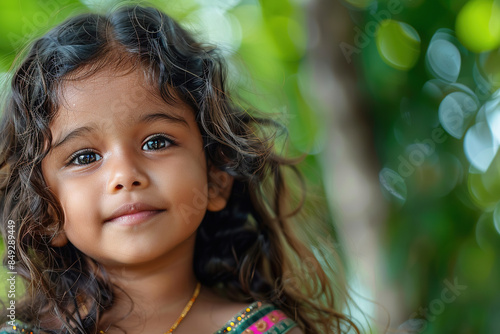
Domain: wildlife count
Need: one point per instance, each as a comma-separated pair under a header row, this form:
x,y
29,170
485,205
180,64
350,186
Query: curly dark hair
x,y
250,250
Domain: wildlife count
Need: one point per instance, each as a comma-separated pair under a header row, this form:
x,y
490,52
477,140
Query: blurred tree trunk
x,y
349,161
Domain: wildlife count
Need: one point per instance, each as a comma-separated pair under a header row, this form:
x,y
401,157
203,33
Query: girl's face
x,y
128,169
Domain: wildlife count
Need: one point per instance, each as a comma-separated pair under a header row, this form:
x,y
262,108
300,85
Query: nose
x,y
125,173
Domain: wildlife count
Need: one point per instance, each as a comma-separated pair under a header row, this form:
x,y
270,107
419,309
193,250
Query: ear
x,y
220,184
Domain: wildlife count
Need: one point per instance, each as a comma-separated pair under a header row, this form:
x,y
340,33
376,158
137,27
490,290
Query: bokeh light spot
x,y
443,60
216,27
478,25
398,44
393,185
480,146
492,114
456,111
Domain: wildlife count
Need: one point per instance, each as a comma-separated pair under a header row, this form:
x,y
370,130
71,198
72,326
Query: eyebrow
x,y
74,134
149,118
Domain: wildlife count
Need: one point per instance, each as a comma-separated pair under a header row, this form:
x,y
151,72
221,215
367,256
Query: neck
x,y
150,297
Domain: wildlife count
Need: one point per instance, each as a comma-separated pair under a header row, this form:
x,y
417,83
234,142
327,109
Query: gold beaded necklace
x,y
184,311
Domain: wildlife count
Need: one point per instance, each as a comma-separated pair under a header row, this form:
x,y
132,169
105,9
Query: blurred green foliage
x,y
429,70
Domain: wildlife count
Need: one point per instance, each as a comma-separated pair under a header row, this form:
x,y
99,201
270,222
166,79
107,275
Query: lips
x,y
132,213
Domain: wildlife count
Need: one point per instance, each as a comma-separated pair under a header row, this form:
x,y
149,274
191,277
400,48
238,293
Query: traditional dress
x,y
257,318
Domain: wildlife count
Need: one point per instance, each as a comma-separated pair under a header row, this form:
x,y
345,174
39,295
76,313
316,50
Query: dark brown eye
x,y
84,158
157,142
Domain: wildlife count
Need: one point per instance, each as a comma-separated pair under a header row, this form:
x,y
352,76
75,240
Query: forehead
x,y
113,96
130,87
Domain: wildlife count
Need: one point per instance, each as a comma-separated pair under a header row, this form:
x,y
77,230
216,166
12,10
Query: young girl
x,y
142,198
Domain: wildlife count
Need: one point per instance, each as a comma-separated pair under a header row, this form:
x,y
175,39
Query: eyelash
x,y
159,135
168,142
76,155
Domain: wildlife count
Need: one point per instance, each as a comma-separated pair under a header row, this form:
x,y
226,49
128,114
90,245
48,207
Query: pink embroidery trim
x,y
276,313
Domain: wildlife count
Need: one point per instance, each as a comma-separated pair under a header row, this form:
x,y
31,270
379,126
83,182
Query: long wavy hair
x,y
254,249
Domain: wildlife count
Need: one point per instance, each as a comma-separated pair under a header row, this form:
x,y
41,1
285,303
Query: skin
x,y
116,143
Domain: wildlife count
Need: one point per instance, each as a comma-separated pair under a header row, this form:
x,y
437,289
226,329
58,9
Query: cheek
x,y
185,180
186,168
78,202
